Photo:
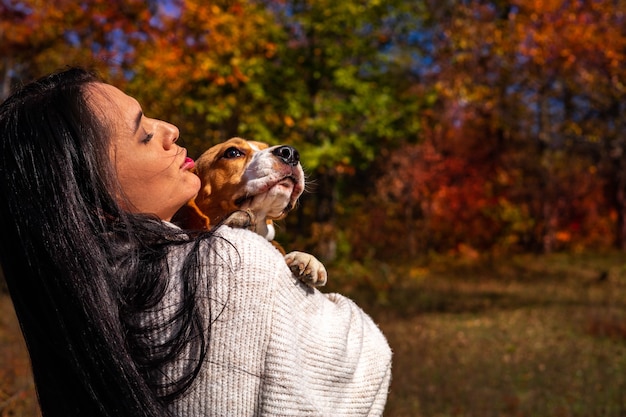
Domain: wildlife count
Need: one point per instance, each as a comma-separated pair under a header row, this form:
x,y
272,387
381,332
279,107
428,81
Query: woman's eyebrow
x,y
137,123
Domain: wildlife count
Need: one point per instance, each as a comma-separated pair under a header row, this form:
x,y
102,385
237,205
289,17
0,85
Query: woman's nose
x,y
171,134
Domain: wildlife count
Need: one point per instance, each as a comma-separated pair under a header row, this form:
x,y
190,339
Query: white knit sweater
x,y
277,347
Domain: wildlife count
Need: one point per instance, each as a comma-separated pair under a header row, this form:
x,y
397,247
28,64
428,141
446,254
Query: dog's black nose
x,y
288,154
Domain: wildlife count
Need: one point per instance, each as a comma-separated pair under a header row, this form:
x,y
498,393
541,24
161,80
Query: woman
x,y
126,315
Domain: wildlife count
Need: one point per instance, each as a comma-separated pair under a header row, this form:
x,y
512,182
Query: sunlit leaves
x,y
37,37
348,88
530,87
519,101
203,70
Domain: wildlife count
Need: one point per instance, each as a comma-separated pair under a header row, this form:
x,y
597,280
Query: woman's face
x,y
152,169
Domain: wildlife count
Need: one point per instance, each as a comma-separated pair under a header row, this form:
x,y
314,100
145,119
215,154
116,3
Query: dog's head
x,y
246,175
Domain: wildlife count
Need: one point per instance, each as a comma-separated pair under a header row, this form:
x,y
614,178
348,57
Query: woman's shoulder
x,y
240,239
230,261
243,249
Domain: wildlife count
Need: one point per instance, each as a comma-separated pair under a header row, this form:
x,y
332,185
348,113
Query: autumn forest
x,y
487,126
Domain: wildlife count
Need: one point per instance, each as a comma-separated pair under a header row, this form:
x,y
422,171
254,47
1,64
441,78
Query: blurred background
x,y
466,166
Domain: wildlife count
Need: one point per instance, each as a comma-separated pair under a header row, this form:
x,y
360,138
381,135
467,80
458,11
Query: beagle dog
x,y
249,184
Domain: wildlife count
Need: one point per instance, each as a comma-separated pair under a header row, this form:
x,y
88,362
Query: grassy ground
x,y
526,337
531,336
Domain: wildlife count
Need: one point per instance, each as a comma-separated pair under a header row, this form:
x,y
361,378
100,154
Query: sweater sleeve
x,y
280,348
326,357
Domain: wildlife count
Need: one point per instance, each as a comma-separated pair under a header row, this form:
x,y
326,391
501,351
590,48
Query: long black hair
x,y
79,269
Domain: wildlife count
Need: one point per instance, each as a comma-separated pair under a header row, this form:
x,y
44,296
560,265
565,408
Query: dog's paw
x,y
307,268
241,219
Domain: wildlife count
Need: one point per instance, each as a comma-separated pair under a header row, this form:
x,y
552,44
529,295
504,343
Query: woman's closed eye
x,y
147,138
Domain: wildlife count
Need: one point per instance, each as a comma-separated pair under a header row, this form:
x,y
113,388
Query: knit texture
x,y
278,347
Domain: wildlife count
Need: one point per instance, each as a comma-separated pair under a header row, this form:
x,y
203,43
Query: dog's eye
x,y
232,153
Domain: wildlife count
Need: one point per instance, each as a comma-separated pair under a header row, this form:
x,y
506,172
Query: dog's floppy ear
x,y
190,217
